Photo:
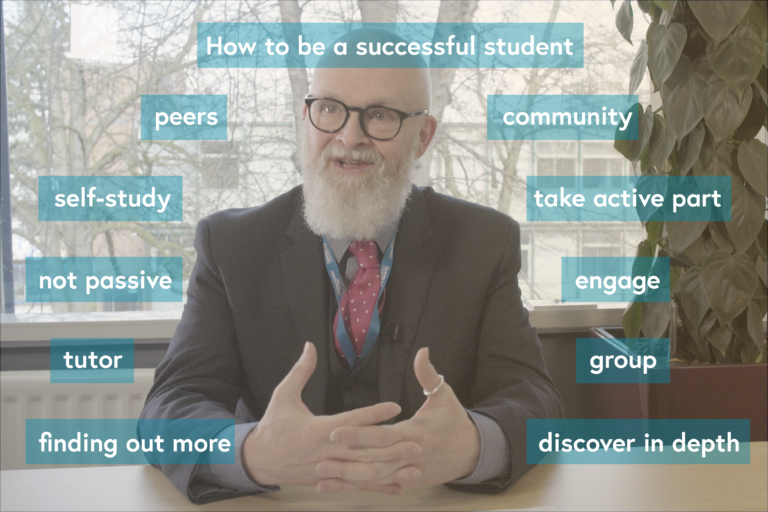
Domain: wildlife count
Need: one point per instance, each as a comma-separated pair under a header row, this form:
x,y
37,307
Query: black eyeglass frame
x,y
308,100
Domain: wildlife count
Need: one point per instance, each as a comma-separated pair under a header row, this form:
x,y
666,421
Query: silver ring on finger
x,y
430,393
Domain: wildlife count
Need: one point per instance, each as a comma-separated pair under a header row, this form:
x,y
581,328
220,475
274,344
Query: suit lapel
x,y
407,292
306,287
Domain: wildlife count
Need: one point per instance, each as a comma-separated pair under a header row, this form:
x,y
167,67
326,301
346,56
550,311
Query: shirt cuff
x,y
494,451
229,477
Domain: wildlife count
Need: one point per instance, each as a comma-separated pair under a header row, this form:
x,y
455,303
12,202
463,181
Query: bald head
x,y
406,89
404,75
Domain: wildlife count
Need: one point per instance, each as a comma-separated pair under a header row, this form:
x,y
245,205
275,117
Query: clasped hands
x,y
349,451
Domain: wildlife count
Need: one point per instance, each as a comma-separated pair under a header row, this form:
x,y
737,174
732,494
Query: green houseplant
x,y
707,60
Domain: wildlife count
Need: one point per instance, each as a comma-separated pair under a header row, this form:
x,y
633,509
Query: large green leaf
x,y
729,282
741,332
677,259
654,228
640,266
633,149
757,19
755,324
624,20
753,164
655,318
689,149
701,248
647,6
747,215
762,241
692,295
760,265
724,108
664,49
761,295
662,141
667,5
646,166
709,322
717,160
738,58
761,87
674,276
750,354
682,94
751,125
720,236
682,233
707,154
719,18
637,71
720,337
630,321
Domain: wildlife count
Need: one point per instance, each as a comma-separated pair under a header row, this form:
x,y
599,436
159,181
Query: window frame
x,y
7,301
33,329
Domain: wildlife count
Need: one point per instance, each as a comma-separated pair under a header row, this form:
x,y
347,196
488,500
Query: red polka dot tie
x,y
358,301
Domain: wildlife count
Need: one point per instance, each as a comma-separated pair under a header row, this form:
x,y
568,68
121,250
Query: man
x,y
328,381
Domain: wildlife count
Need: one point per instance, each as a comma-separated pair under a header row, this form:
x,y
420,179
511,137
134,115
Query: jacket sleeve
x,y
511,381
200,376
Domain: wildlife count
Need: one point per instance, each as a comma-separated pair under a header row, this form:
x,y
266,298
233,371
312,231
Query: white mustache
x,y
358,155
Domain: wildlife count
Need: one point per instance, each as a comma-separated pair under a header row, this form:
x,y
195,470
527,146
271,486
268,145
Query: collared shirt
x,y
494,447
340,247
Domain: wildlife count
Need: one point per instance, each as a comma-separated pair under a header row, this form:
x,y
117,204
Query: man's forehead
x,y
364,87
384,101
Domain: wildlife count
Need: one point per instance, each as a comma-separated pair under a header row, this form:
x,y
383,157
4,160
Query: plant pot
x,y
707,391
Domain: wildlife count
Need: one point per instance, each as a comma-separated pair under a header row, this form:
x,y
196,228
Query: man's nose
x,y
352,135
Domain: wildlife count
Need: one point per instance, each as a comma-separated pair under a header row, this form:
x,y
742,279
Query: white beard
x,y
354,207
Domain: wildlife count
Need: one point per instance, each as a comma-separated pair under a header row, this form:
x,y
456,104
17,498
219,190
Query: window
x,y
220,165
93,33
557,159
601,244
76,72
603,162
525,254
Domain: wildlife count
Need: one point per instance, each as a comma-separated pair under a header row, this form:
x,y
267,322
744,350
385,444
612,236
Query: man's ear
x,y
304,112
426,134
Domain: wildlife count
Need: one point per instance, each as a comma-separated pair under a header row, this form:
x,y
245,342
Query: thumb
x,y
426,373
293,383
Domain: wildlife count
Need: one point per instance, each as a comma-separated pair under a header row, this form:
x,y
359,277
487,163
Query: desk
x,y
566,487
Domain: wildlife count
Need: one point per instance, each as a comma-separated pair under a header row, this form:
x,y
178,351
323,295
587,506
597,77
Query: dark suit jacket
x,y
259,290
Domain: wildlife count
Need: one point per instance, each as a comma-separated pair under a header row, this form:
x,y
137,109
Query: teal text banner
x,y
91,360
622,360
82,279
110,198
562,117
403,45
722,441
614,279
628,198
184,117
183,441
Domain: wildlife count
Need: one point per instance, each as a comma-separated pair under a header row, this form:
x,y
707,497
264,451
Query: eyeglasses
x,y
378,123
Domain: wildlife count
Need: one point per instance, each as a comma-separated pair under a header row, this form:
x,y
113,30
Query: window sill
x,y
139,325
549,317
150,326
